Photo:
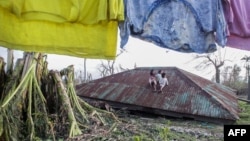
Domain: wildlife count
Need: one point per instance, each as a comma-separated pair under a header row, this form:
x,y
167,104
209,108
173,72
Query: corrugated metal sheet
x,y
187,95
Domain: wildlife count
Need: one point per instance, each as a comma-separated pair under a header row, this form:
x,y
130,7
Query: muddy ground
x,y
137,126
146,127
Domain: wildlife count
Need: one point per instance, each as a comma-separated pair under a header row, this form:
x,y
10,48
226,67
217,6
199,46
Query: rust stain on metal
x,y
187,95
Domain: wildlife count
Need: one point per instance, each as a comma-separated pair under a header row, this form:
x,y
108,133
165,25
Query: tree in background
x,y
82,77
247,66
211,60
107,67
231,78
2,75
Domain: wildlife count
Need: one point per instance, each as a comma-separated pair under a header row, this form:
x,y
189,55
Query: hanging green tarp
x,y
81,28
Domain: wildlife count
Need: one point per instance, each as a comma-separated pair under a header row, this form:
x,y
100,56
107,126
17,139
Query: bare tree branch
x,y
208,60
108,67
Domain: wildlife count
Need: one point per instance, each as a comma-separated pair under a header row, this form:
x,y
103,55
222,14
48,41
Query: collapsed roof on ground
x,y
187,96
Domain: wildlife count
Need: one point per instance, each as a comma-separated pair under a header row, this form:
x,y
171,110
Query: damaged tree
x,y
215,61
38,104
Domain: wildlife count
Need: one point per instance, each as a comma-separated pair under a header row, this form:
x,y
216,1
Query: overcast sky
x,y
143,54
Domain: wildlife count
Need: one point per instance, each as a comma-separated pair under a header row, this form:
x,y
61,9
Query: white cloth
x,y
158,77
163,82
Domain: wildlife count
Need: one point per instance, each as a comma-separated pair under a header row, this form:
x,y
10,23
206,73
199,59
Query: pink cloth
x,y
237,14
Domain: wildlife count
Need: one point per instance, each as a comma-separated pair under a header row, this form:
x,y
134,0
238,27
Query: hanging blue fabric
x,y
181,25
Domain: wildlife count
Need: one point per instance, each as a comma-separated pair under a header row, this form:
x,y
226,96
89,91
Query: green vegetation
x,y
37,104
244,113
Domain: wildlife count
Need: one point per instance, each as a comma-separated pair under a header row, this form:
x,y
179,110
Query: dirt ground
x,y
145,127
178,129
135,126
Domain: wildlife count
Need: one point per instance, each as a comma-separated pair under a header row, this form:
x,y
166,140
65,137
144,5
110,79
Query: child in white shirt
x,y
163,82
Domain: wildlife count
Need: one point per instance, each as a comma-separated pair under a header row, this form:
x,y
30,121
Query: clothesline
x,y
188,26
88,29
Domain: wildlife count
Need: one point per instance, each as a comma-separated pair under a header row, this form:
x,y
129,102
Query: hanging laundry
x,y
81,28
238,20
181,25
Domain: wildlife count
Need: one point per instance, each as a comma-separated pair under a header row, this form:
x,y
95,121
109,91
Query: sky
x,y
143,54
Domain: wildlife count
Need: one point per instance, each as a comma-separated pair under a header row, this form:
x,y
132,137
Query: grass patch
x,y
244,113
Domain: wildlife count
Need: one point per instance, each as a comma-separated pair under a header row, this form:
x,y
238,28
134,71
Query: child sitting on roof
x,y
158,76
152,80
163,82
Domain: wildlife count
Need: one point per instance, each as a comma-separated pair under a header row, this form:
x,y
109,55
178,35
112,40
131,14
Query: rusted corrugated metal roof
x,y
187,95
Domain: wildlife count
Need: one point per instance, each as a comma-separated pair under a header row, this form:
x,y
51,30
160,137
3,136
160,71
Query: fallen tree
x,y
39,104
